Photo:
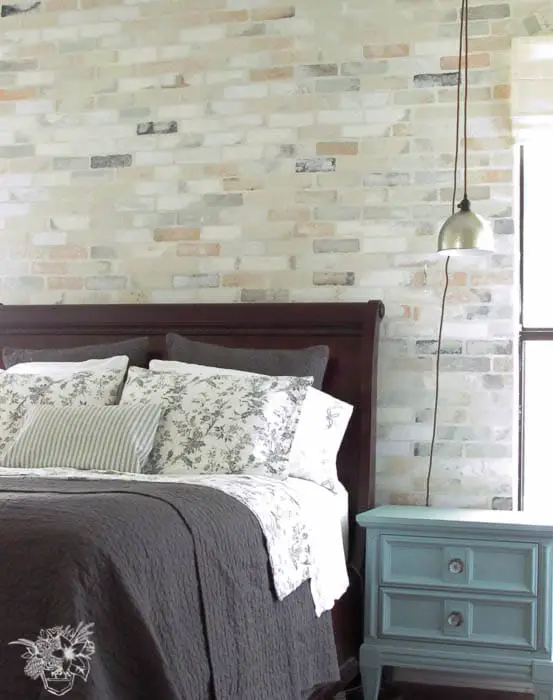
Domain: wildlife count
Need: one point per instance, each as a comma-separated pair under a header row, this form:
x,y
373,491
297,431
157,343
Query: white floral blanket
x,y
304,541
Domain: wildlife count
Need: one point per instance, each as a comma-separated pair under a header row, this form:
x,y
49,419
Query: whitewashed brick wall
x,y
242,151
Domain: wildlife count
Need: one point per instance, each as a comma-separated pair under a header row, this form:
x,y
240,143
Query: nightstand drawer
x,y
502,567
478,619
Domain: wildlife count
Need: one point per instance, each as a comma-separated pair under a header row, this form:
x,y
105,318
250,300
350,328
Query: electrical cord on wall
x,y
463,42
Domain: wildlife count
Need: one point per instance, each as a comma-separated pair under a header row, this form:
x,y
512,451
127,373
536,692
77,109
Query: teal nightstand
x,y
458,591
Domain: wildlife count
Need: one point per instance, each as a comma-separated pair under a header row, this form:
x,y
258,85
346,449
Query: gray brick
x,y
287,150
147,128
442,449
504,227
106,282
502,503
486,450
25,150
493,381
20,65
337,245
116,160
532,25
135,113
485,347
489,11
435,80
340,279
102,252
70,163
7,10
79,46
336,212
198,214
454,363
449,347
272,295
318,70
364,68
386,179
28,283
195,281
463,433
337,85
478,312
234,199
315,165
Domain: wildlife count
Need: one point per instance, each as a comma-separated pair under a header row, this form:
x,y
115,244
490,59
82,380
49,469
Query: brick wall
x,y
241,151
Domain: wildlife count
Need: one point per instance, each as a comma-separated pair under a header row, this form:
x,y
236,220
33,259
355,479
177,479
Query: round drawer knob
x,y
455,619
456,566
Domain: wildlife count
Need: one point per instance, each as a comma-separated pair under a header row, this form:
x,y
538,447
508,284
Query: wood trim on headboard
x,y
351,330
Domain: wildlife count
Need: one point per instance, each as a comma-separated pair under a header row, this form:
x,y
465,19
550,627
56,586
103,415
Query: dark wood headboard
x,y
350,329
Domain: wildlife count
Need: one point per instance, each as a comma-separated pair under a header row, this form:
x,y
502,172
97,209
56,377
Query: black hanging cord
x,y
463,37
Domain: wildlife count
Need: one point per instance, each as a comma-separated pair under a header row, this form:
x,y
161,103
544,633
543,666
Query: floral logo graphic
x,y
58,656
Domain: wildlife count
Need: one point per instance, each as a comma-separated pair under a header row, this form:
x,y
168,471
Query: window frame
x,y
525,334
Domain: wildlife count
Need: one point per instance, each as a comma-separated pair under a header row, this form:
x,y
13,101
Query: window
x,y
536,333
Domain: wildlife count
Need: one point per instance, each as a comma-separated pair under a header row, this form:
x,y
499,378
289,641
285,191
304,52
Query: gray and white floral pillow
x,y
220,423
20,391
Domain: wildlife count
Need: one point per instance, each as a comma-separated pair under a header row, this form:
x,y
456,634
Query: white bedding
x,y
303,524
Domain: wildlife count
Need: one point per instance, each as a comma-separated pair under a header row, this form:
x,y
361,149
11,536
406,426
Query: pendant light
x,y
464,232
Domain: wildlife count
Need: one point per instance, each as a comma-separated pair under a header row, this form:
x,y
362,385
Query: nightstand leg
x,y
371,682
543,692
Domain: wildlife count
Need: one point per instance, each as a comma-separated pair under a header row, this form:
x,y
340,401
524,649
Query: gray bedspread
x,y
176,581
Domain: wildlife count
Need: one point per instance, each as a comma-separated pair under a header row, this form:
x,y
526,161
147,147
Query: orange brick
x,y
276,73
65,283
290,214
223,16
268,13
458,279
337,148
66,252
22,94
201,249
251,280
476,60
315,230
177,233
502,92
386,51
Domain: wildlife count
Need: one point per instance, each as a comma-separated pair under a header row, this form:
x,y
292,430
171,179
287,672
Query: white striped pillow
x,y
100,438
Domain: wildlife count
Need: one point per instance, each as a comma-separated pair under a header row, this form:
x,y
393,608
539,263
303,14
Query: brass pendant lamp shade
x,y
464,232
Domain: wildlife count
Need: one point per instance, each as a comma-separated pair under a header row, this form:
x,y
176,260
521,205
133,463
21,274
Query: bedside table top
x,y
465,517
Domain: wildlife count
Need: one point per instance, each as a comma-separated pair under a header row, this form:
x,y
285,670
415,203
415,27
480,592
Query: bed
x,y
351,331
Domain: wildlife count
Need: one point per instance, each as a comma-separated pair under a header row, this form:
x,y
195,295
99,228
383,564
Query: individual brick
x,y
425,80
111,161
147,128
337,148
315,165
317,70
341,279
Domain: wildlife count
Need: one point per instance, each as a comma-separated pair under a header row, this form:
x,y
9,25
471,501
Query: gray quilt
x,y
138,591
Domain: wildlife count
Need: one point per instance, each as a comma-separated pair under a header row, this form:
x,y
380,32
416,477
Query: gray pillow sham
x,y
135,348
308,362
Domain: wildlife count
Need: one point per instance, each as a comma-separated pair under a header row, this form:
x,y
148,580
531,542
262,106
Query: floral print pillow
x,y
20,391
220,423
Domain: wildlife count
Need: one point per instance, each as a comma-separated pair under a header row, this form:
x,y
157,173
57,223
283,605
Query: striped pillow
x,y
104,438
